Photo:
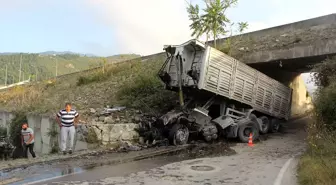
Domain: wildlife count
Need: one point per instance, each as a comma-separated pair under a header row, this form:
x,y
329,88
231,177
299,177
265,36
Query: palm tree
x,y
213,21
242,26
197,22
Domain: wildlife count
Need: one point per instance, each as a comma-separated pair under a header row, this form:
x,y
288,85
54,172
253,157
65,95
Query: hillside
x,y
134,84
43,66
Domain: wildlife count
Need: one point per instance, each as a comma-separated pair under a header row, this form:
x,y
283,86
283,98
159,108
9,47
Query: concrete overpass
x,y
296,45
286,51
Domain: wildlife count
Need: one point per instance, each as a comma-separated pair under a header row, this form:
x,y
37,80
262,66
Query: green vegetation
x,y
318,165
15,128
132,83
3,131
144,90
40,67
53,134
214,21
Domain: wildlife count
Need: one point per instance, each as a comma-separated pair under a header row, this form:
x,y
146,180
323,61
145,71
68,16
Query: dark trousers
x,y
31,150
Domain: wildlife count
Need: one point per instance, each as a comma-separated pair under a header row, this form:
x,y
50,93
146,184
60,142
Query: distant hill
x,y
43,65
65,52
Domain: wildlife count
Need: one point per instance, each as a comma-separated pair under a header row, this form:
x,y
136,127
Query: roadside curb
x,y
150,154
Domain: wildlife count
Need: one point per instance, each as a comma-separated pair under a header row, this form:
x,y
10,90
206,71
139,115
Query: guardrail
x,y
16,84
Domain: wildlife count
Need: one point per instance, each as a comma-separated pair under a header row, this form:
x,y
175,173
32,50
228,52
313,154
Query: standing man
x,y
67,120
27,140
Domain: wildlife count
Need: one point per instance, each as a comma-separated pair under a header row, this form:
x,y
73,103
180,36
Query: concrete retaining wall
x,y
42,125
5,118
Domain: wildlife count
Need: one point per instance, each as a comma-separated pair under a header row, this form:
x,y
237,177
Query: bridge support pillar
x,y
301,100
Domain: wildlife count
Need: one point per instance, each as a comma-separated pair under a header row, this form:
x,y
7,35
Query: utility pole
x,y
20,68
56,66
6,76
35,73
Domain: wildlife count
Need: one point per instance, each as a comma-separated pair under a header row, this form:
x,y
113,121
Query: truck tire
x,y
178,135
253,118
265,125
274,125
245,130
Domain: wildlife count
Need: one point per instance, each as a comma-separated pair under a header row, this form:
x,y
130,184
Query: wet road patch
x,y
202,168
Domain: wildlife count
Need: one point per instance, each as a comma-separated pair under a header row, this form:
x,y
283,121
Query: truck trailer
x,y
219,96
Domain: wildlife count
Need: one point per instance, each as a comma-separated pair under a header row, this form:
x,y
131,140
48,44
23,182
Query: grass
x,y
133,83
318,165
317,170
44,65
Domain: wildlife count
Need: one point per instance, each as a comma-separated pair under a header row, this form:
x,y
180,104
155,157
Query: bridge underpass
x,y
285,52
290,74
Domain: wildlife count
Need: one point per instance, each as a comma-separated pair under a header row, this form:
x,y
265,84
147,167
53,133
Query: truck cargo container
x,y
219,96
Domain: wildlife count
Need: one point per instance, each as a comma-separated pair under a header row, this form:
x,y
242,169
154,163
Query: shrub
x,y
3,131
122,68
15,128
95,77
53,134
318,165
146,93
324,73
325,106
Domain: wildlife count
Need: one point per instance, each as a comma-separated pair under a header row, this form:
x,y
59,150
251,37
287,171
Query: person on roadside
x,y
67,120
27,140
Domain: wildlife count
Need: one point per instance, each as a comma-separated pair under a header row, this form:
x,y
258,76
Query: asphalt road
x,y
270,162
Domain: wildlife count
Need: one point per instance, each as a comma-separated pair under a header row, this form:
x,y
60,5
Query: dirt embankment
x,y
243,45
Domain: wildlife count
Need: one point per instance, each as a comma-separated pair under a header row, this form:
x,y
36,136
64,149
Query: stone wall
x,y
113,133
45,140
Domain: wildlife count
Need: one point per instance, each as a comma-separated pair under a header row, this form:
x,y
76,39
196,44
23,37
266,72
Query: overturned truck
x,y
219,96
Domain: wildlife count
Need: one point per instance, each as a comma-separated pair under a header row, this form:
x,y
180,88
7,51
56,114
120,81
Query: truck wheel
x,y
245,130
253,118
209,132
275,125
265,125
179,135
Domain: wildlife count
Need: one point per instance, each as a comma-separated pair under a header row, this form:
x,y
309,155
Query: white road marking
x,y
282,172
52,178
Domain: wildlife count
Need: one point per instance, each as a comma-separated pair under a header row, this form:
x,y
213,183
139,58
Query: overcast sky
x,y
107,27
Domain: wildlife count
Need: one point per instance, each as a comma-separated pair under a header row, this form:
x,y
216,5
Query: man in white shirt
x,y
67,119
27,140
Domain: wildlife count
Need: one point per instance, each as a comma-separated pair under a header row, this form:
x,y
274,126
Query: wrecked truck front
x,y
183,64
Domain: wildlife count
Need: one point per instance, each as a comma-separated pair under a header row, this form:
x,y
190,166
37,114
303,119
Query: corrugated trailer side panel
x,y
230,78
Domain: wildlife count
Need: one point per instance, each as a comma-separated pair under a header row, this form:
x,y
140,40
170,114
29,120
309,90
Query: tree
x,y
324,73
213,21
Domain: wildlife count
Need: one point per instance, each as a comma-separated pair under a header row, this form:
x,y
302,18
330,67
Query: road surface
x,y
272,161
